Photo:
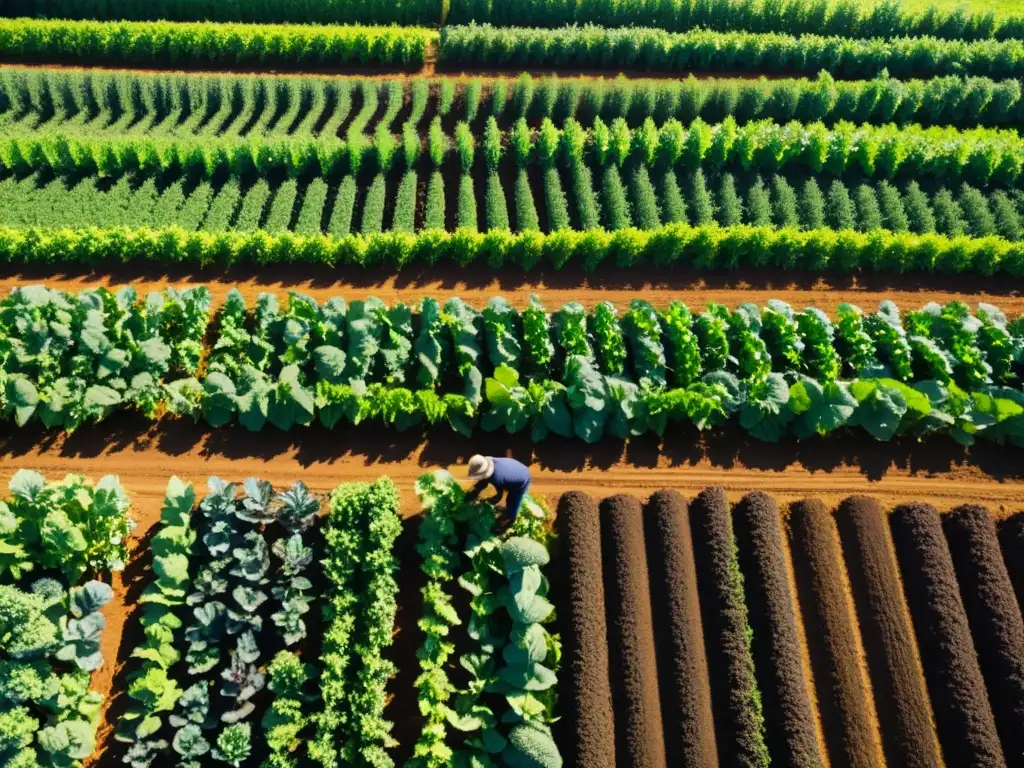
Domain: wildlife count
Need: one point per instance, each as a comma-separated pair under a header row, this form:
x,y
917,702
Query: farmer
x,y
507,476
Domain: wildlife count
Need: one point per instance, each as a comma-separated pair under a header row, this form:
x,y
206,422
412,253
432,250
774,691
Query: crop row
x,y
234,582
502,712
885,19
227,104
58,541
163,44
593,47
935,632
412,202
701,248
980,155
572,373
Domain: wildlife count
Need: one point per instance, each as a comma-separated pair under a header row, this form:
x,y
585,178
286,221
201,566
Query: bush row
x,y
702,248
846,17
162,104
978,155
426,12
164,43
589,47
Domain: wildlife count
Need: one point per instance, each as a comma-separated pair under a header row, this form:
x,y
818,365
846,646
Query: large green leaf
x,y
820,409
22,398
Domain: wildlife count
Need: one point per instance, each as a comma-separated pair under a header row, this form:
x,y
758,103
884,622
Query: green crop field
x,y
273,272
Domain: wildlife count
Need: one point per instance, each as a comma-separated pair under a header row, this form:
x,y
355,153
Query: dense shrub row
x,y
790,726
901,698
639,735
162,104
963,714
426,12
739,717
885,19
162,43
845,699
994,616
795,17
359,620
649,48
977,155
679,634
701,248
585,693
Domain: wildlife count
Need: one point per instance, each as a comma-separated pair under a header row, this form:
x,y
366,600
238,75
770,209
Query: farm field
x,y
738,283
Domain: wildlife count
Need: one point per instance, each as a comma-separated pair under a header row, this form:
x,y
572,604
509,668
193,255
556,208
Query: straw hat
x,y
480,468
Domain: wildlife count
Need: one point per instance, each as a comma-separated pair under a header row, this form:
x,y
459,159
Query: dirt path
x,y
477,284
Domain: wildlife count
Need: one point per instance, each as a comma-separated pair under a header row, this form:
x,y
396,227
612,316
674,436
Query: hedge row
x,y
908,733
158,104
981,155
963,714
679,634
427,12
739,718
845,701
845,17
585,694
590,47
994,616
165,44
789,717
639,741
703,248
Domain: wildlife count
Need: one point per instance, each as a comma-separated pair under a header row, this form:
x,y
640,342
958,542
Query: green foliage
x,y
508,651
71,526
495,204
700,49
164,43
359,566
840,212
466,213
616,206
526,210
434,215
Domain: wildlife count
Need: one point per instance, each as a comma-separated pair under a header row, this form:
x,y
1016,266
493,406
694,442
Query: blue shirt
x,y
509,475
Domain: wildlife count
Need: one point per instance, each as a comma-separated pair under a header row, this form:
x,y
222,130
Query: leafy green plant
x,y
71,526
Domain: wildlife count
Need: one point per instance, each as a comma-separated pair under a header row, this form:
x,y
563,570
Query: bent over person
x,y
507,476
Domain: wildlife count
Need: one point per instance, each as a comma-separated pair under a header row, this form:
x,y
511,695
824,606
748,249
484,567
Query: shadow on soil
x,y
451,277
685,446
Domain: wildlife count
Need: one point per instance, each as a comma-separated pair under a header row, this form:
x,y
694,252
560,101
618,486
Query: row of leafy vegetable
x,y
226,611
67,360
52,536
497,708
